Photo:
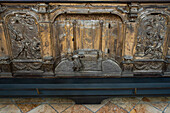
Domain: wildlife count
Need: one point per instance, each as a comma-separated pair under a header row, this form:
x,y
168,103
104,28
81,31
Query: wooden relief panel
x,y
151,46
23,32
88,39
151,37
25,42
84,39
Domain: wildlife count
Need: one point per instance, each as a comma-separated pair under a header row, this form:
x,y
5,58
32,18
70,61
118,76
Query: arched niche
x,y
97,37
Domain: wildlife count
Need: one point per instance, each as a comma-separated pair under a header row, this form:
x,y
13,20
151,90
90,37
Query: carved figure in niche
x,y
77,64
81,40
151,37
23,32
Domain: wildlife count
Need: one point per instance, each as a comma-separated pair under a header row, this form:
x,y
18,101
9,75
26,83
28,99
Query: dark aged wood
x,y
86,45
84,90
98,1
84,39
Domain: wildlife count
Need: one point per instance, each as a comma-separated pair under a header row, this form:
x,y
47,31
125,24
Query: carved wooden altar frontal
x,y
84,39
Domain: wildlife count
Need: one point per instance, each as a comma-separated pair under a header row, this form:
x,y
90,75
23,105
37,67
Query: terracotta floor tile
x,y
95,107
44,108
125,102
106,100
154,99
64,105
28,100
77,109
6,100
111,108
58,100
2,105
61,107
145,108
27,107
10,109
158,102
167,110
160,106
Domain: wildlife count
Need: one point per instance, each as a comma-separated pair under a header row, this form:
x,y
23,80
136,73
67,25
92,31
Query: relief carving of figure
x,y
25,42
151,37
24,37
150,42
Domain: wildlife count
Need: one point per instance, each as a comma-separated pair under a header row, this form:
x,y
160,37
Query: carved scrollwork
x,y
2,8
27,66
40,8
132,10
148,65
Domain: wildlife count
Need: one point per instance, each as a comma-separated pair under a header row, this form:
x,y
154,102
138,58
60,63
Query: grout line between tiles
x,y
102,106
68,107
165,108
16,105
135,105
53,108
35,107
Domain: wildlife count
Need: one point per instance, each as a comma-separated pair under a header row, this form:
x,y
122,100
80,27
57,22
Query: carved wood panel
x,y
23,32
25,42
84,39
87,40
151,46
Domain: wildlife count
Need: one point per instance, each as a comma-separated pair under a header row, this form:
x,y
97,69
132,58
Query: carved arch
x,y
9,13
78,11
70,61
145,13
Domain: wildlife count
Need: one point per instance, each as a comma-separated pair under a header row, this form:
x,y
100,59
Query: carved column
x,y
44,23
5,68
128,49
167,58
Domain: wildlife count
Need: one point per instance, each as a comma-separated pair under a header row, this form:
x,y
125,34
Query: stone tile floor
x,y
63,105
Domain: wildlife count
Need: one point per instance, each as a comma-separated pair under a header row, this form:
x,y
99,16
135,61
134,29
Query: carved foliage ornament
x,y
148,65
